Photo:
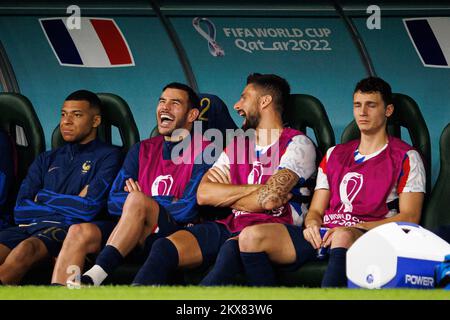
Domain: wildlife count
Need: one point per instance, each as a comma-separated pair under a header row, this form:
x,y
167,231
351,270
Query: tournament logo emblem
x,y
255,176
350,186
162,185
210,35
86,167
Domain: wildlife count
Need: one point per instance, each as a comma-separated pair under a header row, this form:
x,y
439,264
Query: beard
x,y
251,121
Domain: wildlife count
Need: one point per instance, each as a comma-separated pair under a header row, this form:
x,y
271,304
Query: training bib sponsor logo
x,y
162,185
349,188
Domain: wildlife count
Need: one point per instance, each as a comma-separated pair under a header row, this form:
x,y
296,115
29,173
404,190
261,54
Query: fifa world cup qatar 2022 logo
x,y
162,185
255,176
209,34
349,188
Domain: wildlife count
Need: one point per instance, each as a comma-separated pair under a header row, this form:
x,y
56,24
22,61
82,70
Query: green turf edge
x,y
216,293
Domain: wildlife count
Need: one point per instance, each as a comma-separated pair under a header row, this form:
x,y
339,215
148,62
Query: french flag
x,y
431,38
99,43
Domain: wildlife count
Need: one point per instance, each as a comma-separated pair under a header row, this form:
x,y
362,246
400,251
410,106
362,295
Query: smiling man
x,y
153,194
65,186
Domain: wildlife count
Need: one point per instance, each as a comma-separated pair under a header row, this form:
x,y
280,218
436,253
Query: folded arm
x,y
216,190
271,195
26,207
91,199
184,210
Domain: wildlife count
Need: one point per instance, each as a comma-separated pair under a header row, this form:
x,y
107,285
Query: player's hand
x,y
328,236
131,185
84,192
312,234
219,174
274,201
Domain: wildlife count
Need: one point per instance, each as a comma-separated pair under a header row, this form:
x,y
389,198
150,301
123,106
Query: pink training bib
x,y
160,177
359,190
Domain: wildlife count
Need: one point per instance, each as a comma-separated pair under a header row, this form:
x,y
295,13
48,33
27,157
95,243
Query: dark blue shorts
x,y
210,236
51,234
166,226
303,249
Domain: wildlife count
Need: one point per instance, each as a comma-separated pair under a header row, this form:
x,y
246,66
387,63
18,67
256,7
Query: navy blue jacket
x,y
6,174
50,192
183,210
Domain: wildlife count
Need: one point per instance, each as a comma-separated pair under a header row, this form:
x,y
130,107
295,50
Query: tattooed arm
x,y
272,195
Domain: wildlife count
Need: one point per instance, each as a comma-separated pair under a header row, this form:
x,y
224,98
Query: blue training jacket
x,y
50,192
6,175
184,210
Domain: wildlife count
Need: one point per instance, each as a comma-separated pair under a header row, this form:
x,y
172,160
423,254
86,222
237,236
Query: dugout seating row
x,y
304,112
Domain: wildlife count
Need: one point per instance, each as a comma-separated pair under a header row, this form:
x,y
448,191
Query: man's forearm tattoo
x,y
277,188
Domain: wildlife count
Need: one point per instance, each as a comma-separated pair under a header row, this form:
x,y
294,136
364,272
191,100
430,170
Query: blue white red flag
x,y
98,43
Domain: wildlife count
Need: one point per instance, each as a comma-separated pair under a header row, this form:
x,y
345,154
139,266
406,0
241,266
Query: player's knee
x,y
82,235
135,199
342,238
251,239
135,206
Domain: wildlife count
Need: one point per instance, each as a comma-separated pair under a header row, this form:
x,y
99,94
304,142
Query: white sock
x,y
97,274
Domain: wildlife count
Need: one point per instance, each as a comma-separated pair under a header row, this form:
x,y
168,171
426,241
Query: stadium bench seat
x,y
305,111
20,121
437,210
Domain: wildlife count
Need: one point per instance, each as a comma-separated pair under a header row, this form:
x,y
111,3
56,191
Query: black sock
x,y
258,269
335,275
228,264
109,259
160,264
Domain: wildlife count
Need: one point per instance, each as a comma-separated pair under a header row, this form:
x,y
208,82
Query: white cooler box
x,y
395,255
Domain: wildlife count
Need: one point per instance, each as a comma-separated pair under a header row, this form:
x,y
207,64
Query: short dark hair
x,y
194,100
86,95
375,84
274,85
